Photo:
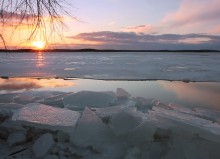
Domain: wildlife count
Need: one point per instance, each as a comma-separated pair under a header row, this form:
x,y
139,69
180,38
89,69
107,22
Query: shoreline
x,y
109,79
103,50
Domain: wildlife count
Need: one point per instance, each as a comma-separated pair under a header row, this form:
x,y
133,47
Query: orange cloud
x,y
194,40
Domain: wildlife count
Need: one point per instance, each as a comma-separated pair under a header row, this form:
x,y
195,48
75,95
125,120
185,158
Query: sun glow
x,y
38,45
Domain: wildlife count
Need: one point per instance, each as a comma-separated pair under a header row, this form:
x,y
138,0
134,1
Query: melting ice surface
x,y
112,65
81,118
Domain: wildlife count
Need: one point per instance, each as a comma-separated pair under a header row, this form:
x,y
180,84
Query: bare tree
x,y
36,14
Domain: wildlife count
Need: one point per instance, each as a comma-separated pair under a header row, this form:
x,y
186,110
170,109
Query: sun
x,y
38,45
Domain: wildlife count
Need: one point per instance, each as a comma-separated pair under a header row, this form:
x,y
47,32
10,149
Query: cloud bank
x,y
131,40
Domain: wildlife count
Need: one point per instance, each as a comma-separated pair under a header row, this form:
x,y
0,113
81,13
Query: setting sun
x,y
38,44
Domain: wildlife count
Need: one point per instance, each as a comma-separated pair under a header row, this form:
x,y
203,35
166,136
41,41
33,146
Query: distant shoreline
x,y
101,50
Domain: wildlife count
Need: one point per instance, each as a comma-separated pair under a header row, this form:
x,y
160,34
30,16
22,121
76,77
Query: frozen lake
x,y
123,65
132,117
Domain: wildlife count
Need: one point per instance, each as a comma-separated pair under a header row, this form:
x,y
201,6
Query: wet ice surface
x,y
102,65
124,127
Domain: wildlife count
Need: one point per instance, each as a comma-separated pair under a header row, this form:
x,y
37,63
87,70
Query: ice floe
x,y
42,145
90,130
123,122
90,99
7,109
44,116
122,94
16,137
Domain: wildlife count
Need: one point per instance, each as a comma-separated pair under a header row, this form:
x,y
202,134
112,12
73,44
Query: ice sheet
x,y
123,122
122,94
183,66
42,145
109,111
7,109
173,119
89,99
90,130
40,115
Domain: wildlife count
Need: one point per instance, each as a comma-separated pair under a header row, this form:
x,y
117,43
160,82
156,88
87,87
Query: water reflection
x,y
19,84
205,93
199,94
40,59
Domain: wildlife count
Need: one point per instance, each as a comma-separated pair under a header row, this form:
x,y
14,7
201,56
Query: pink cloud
x,y
193,16
148,28
215,29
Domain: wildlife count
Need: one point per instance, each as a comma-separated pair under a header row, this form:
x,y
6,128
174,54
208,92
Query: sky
x,y
129,24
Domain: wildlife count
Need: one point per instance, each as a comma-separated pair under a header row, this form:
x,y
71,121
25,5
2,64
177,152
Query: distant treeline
x,y
97,50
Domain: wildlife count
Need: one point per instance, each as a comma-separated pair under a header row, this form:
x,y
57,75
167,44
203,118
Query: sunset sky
x,y
129,24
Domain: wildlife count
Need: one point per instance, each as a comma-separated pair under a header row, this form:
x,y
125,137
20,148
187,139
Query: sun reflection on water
x,y
23,84
40,59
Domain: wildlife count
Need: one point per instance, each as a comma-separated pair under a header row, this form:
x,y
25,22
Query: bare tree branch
x,y
40,15
3,40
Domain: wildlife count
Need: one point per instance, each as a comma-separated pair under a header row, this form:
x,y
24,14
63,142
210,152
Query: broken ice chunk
x,y
89,99
122,94
208,114
181,108
56,100
115,150
124,121
42,94
174,153
55,103
192,152
24,99
51,157
162,105
44,116
12,125
7,98
16,137
7,109
142,134
62,136
90,130
34,96
42,145
189,119
143,104
192,147
205,128
133,153
200,112
155,151
109,111
126,102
